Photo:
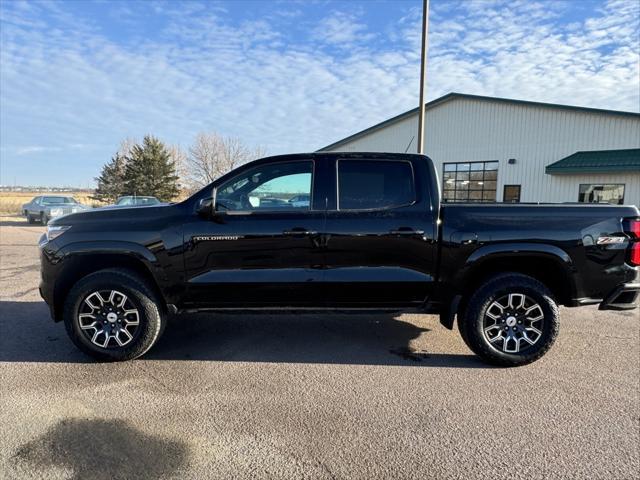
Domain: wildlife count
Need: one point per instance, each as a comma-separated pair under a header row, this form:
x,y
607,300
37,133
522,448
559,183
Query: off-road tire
x,y
471,320
151,316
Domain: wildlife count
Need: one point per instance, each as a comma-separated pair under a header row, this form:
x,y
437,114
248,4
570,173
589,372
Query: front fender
x,y
61,268
117,247
109,247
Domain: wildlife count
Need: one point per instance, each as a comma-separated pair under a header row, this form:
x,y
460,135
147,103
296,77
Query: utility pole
x,y
423,72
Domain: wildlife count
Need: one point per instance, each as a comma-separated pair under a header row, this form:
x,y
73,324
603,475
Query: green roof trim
x,y
454,95
597,161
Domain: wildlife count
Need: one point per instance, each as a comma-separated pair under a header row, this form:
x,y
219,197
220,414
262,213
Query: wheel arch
x,y
79,266
548,264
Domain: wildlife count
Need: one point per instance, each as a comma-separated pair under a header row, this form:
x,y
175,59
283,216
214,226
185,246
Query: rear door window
x,y
375,184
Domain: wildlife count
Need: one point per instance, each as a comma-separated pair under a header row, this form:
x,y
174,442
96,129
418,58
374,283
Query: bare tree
x,y
213,155
126,145
181,161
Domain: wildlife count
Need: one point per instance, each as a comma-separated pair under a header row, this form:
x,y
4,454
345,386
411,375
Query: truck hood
x,y
135,206
114,215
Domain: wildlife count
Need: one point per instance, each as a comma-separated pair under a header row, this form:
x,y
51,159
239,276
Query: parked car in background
x,y
45,207
272,203
300,200
135,201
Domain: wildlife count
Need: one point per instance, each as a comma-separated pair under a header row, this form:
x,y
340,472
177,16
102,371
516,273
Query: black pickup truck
x,y
338,231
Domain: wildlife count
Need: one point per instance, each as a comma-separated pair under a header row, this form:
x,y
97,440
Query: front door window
x,y
276,187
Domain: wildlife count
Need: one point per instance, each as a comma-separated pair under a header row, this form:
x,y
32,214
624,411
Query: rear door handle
x,y
299,232
406,231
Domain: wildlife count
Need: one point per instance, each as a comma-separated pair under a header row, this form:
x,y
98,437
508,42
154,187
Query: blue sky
x,y
78,77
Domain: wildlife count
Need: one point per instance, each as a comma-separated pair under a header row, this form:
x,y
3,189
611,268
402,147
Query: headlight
x,y
55,231
56,212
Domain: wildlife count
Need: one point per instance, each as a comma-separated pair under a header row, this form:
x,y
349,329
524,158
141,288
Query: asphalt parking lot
x,y
309,396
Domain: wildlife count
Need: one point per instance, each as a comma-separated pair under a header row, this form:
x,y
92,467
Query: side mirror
x,y
205,207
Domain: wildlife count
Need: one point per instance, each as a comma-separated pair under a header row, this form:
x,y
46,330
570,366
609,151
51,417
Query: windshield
x,y
138,201
57,200
146,201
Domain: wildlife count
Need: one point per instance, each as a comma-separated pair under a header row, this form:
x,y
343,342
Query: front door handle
x,y
406,231
464,238
299,232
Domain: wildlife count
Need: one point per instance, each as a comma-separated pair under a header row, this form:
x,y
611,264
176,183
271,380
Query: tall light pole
x,y
423,72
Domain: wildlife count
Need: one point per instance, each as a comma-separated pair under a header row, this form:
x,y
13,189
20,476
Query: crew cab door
x,y
380,248
259,248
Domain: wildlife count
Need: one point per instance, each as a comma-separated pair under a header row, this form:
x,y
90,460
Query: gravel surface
x,y
309,396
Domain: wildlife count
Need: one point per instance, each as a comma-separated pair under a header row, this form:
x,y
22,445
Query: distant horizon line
x,y
34,188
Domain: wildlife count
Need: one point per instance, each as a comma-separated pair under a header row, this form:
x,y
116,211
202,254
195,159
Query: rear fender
x,y
548,263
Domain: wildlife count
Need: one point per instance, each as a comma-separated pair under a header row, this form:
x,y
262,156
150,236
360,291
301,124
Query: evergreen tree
x,y
150,170
111,180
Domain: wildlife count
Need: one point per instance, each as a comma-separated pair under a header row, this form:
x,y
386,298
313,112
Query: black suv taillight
x,y
632,228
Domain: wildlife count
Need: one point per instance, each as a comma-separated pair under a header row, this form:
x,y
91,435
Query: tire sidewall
x,y
148,330
474,319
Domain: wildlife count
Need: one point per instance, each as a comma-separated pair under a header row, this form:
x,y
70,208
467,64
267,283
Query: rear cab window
x,y
374,184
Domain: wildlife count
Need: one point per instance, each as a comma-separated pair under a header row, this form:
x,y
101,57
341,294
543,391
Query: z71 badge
x,y
609,240
213,238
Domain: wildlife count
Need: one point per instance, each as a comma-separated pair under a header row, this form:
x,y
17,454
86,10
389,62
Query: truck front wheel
x,y
113,315
511,320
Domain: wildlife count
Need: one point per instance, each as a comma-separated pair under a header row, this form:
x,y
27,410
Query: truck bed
x,y
568,238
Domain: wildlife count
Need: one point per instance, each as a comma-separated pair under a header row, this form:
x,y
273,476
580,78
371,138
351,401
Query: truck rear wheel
x,y
511,320
113,315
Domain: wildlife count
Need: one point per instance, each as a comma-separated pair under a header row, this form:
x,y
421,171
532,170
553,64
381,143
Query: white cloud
x,y
519,51
35,149
72,84
341,29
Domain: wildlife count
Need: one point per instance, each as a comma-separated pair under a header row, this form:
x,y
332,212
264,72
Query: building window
x,y
470,182
601,193
511,194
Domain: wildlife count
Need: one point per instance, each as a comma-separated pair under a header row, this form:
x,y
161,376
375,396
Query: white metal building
x,y
496,149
